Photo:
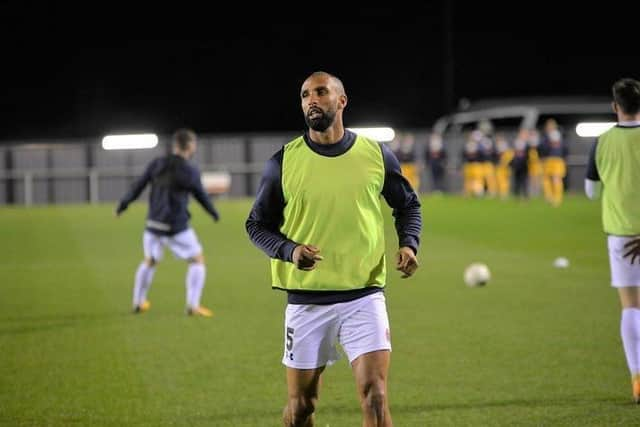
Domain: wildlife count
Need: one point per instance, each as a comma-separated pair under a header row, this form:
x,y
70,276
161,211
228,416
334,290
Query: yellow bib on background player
x,y
618,151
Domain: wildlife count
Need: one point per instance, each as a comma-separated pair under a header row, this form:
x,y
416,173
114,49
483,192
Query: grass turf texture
x,y
536,346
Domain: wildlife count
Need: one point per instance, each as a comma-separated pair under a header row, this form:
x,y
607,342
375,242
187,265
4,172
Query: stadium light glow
x,y
381,134
591,129
130,142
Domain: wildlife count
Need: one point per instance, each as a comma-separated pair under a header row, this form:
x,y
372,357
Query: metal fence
x,y
81,171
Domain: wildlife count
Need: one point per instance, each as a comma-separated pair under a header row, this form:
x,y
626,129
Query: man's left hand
x,y
407,262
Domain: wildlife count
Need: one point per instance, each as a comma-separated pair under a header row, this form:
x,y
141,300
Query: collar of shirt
x,y
332,150
630,124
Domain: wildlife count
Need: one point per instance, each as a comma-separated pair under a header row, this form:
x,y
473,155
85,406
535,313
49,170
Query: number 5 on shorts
x,y
290,342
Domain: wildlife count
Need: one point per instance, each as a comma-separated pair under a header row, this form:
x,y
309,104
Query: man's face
x,y
321,100
190,151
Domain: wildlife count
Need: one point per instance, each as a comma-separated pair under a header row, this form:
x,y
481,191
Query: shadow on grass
x,y
507,403
36,323
271,417
15,325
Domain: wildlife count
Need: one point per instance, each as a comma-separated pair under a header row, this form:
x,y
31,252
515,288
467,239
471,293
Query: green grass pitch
x,y
536,346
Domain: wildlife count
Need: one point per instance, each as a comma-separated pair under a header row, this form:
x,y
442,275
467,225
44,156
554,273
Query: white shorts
x,y
312,331
623,273
184,245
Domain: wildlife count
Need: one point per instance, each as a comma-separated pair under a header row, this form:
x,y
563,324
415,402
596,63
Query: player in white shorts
x,y
172,180
325,188
614,170
624,271
312,331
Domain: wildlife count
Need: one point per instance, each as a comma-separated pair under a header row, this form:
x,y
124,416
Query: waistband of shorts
x,y
329,297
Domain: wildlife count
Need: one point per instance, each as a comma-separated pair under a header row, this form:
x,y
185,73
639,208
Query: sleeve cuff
x,y
285,251
410,242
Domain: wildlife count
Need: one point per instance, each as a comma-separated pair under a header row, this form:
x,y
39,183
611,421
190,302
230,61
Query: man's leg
x,y
547,187
303,386
558,190
152,245
370,371
185,245
366,339
630,332
310,335
196,273
490,178
144,276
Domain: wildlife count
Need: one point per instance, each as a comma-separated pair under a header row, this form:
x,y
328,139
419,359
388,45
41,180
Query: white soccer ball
x,y
477,274
561,262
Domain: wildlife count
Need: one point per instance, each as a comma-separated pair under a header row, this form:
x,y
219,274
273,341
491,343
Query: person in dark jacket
x,y
172,179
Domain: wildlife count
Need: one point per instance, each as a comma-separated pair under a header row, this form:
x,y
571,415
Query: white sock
x,y
144,276
195,283
630,331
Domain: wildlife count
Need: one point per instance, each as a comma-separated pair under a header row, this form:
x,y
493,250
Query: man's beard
x,y
322,123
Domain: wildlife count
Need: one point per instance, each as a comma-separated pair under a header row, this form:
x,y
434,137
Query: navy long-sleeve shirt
x,y
592,169
267,214
172,179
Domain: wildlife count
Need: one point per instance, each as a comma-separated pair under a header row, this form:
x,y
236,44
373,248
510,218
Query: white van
x,y
507,116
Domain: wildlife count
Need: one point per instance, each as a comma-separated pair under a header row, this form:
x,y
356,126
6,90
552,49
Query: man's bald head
x,y
323,99
333,80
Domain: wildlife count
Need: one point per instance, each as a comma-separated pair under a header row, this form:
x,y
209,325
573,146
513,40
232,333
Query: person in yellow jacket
x,y
488,158
472,167
534,163
503,168
555,168
403,147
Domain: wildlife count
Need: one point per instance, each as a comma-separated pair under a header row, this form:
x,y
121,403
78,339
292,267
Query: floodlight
x,y
380,134
592,129
129,142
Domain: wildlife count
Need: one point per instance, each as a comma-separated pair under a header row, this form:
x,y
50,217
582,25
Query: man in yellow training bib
x,y
318,216
614,168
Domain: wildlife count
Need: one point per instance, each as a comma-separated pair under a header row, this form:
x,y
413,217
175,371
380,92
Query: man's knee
x,y
150,261
198,259
374,397
302,407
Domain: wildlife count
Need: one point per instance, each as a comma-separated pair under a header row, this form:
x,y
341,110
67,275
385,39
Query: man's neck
x,y
180,154
622,117
332,135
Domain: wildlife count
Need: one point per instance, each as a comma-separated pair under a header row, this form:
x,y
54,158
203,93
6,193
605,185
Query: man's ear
x,y
614,107
343,101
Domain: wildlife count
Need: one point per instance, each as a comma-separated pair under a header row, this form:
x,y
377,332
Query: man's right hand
x,y
119,209
633,249
305,257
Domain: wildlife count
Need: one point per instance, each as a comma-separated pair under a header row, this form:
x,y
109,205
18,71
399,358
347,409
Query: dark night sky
x,y
74,73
